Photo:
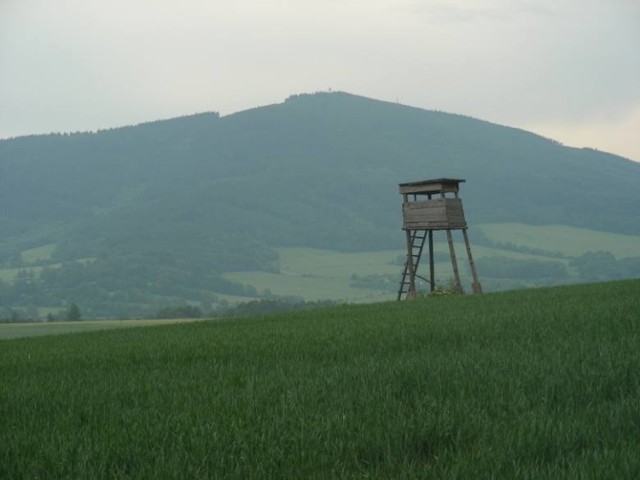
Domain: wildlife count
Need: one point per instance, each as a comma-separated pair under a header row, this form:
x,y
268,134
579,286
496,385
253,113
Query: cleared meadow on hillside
x,y
528,384
571,241
316,274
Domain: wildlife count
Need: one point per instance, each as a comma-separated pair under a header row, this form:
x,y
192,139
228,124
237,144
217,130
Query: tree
x,y
73,313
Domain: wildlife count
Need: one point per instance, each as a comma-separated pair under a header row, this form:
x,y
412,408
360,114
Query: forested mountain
x,y
158,210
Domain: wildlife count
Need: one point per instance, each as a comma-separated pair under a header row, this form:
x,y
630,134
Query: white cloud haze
x,y
567,69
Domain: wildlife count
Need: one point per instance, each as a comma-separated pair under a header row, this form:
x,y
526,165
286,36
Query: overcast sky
x,y
567,69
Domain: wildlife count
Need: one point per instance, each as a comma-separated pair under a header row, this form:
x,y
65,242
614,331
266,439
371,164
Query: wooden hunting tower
x,y
425,209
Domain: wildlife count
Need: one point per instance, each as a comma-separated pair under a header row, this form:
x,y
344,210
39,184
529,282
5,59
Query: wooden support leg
x,y
432,277
411,293
454,262
476,287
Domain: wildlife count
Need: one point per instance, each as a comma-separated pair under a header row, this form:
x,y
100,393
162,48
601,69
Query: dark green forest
x,y
152,214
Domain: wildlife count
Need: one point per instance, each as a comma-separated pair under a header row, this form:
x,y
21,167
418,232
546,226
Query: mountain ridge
x,y
175,202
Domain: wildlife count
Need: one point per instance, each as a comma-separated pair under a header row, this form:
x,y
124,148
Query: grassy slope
x,y
317,274
529,384
322,274
10,275
18,330
570,241
38,254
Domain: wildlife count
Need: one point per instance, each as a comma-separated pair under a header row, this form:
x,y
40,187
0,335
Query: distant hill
x,y
159,210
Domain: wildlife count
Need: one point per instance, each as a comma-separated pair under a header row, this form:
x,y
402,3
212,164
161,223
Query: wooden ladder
x,y
417,245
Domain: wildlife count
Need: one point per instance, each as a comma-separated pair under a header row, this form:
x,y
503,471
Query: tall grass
x,y
529,384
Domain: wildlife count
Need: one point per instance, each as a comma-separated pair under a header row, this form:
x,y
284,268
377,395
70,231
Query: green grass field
x,y
10,274
532,384
17,330
38,254
315,274
571,241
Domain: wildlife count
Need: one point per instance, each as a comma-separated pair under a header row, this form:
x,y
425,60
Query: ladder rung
x,y
413,258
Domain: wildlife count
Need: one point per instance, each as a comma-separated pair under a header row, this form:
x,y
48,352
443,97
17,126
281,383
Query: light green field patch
x,y
480,251
316,274
308,287
570,241
327,263
233,299
9,275
38,254
17,330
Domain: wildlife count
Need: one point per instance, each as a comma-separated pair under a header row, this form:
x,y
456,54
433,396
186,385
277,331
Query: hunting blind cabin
x,y
425,209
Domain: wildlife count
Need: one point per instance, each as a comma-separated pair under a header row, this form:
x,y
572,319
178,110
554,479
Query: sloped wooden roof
x,y
436,185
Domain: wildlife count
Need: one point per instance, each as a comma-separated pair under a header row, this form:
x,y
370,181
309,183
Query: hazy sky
x,y
567,69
